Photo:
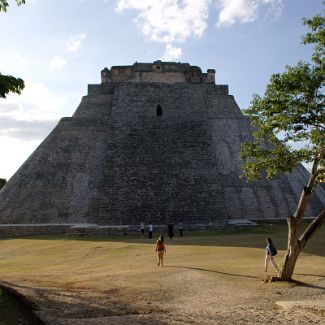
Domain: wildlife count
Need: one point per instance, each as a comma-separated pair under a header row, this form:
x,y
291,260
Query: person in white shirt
x,y
142,227
150,228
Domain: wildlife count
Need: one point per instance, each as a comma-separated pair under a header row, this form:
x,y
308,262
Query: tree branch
x,y
313,226
316,162
298,215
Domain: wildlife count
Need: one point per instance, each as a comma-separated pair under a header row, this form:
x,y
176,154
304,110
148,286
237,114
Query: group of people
x,y
270,252
170,228
160,243
150,229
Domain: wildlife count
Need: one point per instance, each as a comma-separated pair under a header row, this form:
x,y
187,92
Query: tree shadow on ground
x,y
308,285
213,271
308,274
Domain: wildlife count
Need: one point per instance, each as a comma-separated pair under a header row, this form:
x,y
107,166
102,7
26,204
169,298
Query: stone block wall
x,y
120,160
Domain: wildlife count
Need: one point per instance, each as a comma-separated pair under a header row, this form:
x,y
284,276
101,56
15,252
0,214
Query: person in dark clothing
x,y
270,252
170,230
180,228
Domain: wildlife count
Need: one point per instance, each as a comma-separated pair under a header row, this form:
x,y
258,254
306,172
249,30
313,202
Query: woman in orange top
x,y
160,249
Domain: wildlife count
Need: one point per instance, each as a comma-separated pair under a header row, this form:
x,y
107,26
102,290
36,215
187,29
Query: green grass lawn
x,y
24,256
98,264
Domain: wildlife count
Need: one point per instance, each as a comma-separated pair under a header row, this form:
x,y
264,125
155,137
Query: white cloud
x,y
57,62
9,108
25,129
133,4
171,53
245,11
169,21
25,120
74,42
46,104
16,153
36,102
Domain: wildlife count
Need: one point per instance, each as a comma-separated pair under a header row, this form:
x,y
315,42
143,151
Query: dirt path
x,y
179,295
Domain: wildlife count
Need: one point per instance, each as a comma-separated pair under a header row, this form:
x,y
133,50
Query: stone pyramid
x,y
153,141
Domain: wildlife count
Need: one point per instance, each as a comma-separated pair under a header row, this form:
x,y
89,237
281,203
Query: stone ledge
x,y
92,229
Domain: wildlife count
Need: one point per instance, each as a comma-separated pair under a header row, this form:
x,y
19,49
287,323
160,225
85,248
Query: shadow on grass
x,y
308,285
213,271
305,274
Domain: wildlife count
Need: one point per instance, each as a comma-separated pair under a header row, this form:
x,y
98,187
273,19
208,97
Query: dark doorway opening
x,y
159,110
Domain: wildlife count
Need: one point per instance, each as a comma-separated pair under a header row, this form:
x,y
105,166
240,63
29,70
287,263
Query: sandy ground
x,y
181,296
98,287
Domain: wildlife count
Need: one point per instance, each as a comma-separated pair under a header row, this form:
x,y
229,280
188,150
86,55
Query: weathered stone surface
x,y
115,161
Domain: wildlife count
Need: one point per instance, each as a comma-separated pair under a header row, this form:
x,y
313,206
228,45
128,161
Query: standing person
x,y
180,228
142,227
270,252
170,230
160,249
150,227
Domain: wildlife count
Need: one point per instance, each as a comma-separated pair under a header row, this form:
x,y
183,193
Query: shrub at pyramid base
x,y
156,142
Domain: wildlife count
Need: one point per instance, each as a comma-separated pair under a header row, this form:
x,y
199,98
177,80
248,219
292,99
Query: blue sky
x,y
59,46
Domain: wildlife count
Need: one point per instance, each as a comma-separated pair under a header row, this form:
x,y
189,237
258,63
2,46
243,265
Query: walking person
x,y
150,228
170,230
142,227
160,249
180,228
270,252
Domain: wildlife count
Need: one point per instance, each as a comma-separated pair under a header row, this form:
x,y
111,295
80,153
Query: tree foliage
x,y
289,120
289,128
10,84
3,182
4,4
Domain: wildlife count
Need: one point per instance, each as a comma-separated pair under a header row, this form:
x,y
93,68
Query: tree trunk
x,y
289,265
293,250
295,244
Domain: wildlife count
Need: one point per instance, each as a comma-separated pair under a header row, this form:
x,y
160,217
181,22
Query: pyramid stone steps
x,y
116,161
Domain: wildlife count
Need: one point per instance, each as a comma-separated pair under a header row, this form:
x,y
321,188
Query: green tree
x,y
9,83
289,128
3,182
4,4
